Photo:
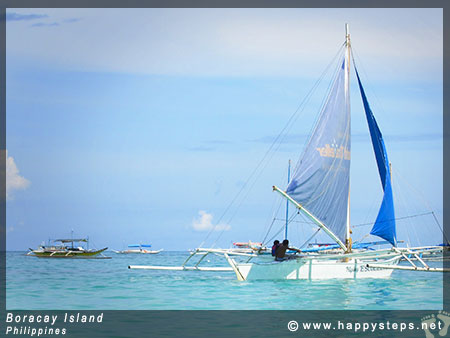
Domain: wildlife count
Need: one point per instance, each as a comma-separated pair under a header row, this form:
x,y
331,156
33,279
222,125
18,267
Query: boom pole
x,y
312,217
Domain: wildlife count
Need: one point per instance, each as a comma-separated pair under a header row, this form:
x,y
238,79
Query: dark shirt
x,y
274,249
281,251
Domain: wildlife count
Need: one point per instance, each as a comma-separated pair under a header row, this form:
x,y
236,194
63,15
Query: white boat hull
x,y
337,265
310,268
139,252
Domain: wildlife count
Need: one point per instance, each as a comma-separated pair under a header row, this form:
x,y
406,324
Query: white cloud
x,y
204,223
13,180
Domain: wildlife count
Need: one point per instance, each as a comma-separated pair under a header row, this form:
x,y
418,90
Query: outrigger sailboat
x,y
319,189
63,250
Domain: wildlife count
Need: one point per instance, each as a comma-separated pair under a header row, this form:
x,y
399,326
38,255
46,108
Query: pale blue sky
x,y
128,123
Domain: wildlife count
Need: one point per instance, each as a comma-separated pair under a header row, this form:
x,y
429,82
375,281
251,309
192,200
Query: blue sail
x,y
322,176
384,226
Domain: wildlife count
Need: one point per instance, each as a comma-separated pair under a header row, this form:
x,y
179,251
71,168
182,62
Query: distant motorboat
x,y
138,249
250,247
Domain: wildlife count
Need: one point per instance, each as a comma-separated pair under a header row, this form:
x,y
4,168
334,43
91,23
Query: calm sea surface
x,y
107,284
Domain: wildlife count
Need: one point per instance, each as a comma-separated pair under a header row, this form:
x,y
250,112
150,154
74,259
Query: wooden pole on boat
x,y
411,268
287,202
348,238
312,217
234,267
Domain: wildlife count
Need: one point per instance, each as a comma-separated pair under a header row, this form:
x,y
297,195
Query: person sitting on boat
x,y
275,246
281,251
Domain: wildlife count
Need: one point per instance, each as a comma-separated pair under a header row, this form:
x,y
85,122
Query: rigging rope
x,y
395,219
425,202
273,216
273,221
279,139
310,238
276,234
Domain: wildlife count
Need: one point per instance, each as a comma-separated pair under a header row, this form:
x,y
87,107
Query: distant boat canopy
x,y
321,179
384,226
69,240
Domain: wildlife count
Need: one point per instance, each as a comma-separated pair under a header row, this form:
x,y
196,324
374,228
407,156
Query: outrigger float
x,y
336,265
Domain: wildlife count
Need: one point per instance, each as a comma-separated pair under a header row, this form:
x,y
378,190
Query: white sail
x,y
322,177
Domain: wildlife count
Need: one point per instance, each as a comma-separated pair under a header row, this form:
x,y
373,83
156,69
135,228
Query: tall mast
x,y
348,239
287,201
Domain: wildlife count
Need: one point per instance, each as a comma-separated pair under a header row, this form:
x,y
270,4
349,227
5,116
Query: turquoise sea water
x,y
89,284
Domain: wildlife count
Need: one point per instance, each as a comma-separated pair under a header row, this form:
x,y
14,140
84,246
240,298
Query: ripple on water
x,y
109,284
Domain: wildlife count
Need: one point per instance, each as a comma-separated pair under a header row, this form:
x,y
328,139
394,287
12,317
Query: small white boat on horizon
x,y
138,249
